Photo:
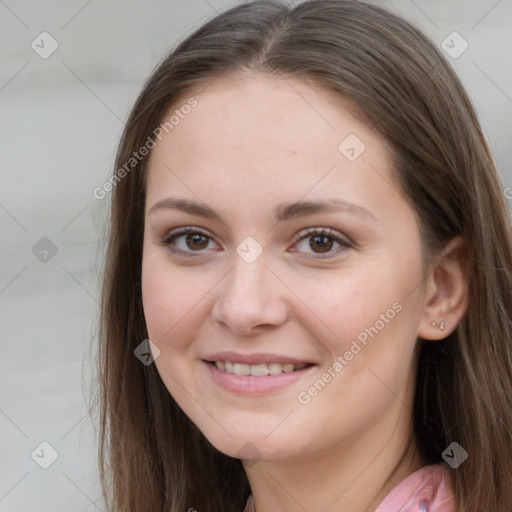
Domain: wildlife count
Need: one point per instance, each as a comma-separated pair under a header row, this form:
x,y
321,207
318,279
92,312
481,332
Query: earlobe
x,y
446,292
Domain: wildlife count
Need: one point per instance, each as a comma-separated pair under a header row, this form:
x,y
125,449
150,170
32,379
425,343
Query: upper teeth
x,y
258,370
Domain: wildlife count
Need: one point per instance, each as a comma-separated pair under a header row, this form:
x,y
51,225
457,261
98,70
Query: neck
x,y
349,478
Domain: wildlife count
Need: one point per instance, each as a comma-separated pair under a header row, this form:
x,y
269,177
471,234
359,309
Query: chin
x,y
256,447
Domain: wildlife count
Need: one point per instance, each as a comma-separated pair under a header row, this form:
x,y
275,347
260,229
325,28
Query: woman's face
x,y
301,252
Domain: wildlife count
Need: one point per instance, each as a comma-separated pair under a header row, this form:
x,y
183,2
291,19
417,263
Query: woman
x,y
369,369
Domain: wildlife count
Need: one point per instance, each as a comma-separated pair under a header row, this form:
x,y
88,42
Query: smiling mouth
x,y
258,370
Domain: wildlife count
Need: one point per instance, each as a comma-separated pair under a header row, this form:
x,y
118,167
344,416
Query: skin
x,y
254,142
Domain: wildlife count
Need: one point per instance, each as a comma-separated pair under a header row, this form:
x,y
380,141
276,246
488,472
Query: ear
x,y
446,292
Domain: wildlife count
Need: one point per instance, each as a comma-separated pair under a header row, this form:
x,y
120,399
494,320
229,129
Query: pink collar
x,y
426,490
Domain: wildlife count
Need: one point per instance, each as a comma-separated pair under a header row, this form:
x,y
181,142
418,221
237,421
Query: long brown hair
x,y
152,457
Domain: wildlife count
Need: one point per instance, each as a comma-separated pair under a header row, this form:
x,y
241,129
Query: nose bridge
x,y
250,295
247,281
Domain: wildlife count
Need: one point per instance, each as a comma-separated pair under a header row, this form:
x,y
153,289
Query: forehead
x,y
264,134
242,109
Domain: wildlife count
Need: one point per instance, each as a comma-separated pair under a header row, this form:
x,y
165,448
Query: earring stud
x,y
441,325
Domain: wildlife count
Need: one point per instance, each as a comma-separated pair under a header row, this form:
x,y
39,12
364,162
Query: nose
x,y
251,298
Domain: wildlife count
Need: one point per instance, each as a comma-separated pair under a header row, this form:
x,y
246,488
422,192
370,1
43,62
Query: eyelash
x,y
345,243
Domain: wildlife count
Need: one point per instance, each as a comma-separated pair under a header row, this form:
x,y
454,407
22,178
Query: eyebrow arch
x,y
281,212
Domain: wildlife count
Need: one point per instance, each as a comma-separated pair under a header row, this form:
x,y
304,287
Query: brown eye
x,y
322,243
196,241
187,242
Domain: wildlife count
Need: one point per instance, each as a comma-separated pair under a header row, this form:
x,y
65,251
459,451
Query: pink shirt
x,y
426,490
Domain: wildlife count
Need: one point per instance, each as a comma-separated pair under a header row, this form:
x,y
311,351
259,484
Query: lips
x,y
257,373
244,384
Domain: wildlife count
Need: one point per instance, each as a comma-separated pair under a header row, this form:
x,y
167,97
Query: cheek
x,y
344,303
368,316
170,298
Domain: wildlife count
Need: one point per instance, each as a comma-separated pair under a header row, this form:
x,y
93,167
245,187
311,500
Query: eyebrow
x,y
281,213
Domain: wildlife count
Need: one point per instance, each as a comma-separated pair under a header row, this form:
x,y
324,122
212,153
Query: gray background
x,y
60,123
